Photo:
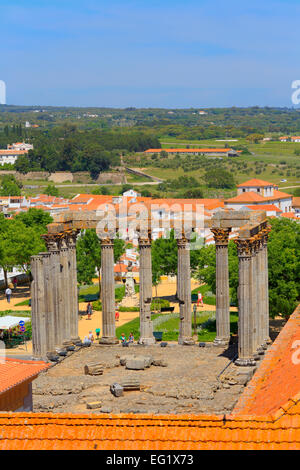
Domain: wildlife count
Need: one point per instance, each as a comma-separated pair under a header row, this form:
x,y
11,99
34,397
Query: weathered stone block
x,y
117,390
135,364
92,405
93,369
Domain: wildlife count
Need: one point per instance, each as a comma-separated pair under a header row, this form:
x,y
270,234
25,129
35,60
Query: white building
x,y
259,193
10,156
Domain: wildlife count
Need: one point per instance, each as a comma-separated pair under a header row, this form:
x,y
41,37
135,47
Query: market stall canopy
x,y
10,322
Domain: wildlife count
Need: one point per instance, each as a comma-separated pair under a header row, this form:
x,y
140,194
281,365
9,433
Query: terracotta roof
x,y
265,207
289,215
296,201
13,152
26,431
255,183
276,384
14,371
249,196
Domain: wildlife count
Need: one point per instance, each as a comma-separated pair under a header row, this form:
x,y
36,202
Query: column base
x,y
147,341
108,340
245,362
221,342
186,341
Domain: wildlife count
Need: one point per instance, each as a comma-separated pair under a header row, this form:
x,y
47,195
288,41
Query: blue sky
x,y
149,53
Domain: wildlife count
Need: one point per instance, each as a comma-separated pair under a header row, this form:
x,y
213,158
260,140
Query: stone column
x,y
222,287
184,292
254,296
49,292
245,325
65,291
260,294
265,290
71,242
146,326
38,314
54,286
108,292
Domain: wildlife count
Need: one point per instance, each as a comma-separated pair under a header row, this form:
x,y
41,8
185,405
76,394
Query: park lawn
x,y
170,326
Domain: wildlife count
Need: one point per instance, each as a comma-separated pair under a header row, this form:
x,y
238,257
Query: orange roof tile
x,y
265,207
290,215
255,183
296,202
26,431
277,380
249,196
15,371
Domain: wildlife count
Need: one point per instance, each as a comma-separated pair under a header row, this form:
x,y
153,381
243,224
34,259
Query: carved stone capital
x,y
52,241
183,242
221,235
107,242
245,247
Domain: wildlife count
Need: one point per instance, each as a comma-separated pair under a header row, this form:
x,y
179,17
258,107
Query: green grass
x,y
170,326
21,304
208,297
15,313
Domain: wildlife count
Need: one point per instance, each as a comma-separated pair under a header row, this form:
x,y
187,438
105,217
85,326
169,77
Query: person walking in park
x,y
89,311
8,293
200,299
117,315
15,283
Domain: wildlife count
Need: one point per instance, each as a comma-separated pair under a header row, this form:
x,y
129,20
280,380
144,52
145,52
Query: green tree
x,y
219,178
283,261
10,186
88,251
51,190
18,243
22,164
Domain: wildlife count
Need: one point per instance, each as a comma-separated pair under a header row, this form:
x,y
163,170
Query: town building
x,y
16,383
255,192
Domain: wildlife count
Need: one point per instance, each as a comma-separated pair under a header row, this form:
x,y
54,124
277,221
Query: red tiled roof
x,y
296,201
277,380
265,207
48,431
289,215
15,371
249,196
13,152
255,183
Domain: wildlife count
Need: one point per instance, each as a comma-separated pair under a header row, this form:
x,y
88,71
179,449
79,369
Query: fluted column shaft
x,y
38,313
146,326
245,325
184,291
222,287
108,292
265,277
65,291
71,243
